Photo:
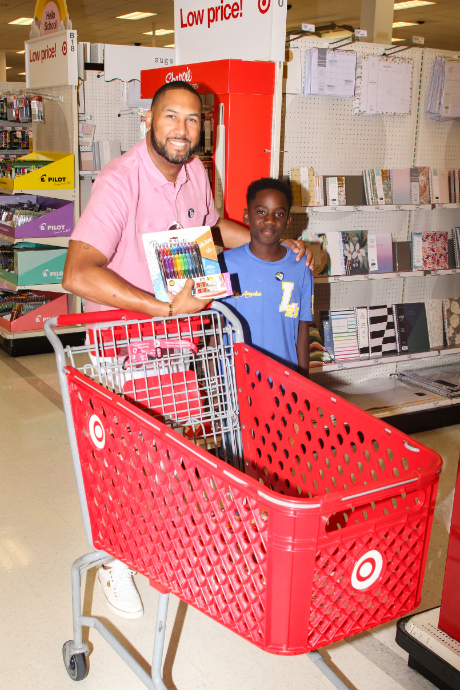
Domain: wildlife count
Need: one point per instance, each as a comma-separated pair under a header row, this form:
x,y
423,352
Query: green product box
x,y
34,266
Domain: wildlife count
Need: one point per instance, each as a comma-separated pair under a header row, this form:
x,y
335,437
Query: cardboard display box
x,y
36,265
56,223
58,174
35,319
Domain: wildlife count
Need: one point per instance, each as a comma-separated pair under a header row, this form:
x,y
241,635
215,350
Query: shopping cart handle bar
x,y
100,317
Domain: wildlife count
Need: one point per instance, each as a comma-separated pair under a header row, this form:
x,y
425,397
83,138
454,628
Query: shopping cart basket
x,y
323,534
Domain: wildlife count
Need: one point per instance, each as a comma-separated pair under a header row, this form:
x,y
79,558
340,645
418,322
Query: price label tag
x,y
308,27
397,275
434,273
360,33
398,208
357,208
340,365
418,40
336,279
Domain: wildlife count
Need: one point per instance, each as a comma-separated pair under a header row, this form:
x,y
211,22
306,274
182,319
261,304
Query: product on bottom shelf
x,y
411,327
27,310
442,380
451,309
385,397
362,325
319,355
344,334
382,336
434,318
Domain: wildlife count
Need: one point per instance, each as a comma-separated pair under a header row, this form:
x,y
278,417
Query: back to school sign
x,y
243,30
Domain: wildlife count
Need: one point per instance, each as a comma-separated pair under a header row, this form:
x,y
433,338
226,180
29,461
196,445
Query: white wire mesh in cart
x,y
180,370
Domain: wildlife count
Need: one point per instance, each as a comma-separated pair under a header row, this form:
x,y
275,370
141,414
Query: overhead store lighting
x,y
398,25
159,32
20,52
137,15
8,68
412,3
22,74
170,45
395,40
22,21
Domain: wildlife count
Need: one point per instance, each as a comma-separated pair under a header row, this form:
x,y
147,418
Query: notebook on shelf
x,y
411,327
382,336
319,356
451,310
434,319
344,334
401,186
380,252
362,325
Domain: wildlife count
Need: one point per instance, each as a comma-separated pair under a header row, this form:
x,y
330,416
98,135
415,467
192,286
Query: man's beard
x,y
162,151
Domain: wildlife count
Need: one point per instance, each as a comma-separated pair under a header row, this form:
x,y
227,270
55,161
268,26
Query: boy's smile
x,y
268,218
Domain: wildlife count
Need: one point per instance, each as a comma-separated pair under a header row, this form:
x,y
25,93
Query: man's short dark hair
x,y
173,86
268,183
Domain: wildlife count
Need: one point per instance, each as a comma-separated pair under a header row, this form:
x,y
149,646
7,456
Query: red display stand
x,y
449,616
246,89
432,638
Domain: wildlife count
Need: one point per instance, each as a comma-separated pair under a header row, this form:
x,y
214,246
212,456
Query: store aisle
x,y
41,534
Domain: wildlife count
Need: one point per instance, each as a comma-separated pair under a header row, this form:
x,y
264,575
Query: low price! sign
x,y
52,60
242,30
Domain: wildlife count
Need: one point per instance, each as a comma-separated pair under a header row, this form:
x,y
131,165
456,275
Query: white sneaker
x,y
120,591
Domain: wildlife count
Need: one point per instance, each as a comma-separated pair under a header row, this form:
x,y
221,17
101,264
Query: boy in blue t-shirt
x,y
273,291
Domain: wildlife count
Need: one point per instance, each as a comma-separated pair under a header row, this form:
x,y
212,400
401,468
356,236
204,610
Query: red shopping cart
x,y
283,512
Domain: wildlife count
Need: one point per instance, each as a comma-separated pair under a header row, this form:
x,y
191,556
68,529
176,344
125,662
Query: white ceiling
x,y
96,22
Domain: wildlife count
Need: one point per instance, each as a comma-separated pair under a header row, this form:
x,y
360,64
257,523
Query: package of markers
x,y
174,256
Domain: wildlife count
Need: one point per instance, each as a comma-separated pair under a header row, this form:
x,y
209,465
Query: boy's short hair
x,y
173,86
268,183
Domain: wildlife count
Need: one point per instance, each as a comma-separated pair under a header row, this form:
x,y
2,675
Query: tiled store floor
x,y
41,534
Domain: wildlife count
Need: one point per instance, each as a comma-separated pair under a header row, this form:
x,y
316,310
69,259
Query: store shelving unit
x,y
58,133
358,142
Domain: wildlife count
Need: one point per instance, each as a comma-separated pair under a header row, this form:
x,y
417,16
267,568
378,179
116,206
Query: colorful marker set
x,y
179,260
174,256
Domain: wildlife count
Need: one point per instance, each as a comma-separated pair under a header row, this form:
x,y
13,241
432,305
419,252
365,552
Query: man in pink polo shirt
x,y
156,184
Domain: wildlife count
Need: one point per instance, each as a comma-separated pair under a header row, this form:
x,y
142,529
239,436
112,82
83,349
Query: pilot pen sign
x,y
218,13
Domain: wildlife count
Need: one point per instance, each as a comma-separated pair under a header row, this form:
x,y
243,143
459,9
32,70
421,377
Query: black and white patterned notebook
x,y
382,335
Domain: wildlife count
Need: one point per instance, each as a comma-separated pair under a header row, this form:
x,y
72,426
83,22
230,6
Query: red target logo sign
x,y
96,431
367,570
264,6
64,48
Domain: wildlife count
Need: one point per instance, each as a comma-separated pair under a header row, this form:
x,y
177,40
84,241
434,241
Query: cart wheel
x,y
77,667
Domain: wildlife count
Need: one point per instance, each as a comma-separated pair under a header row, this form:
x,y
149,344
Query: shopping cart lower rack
x,y
286,514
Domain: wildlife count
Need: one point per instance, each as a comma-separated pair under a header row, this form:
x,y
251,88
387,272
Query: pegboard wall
x,y
104,102
323,132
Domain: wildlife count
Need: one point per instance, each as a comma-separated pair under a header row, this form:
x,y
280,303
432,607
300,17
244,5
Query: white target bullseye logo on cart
x,y
367,570
264,6
96,432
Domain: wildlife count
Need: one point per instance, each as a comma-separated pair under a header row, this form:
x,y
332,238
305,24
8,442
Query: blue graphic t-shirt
x,y
270,298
